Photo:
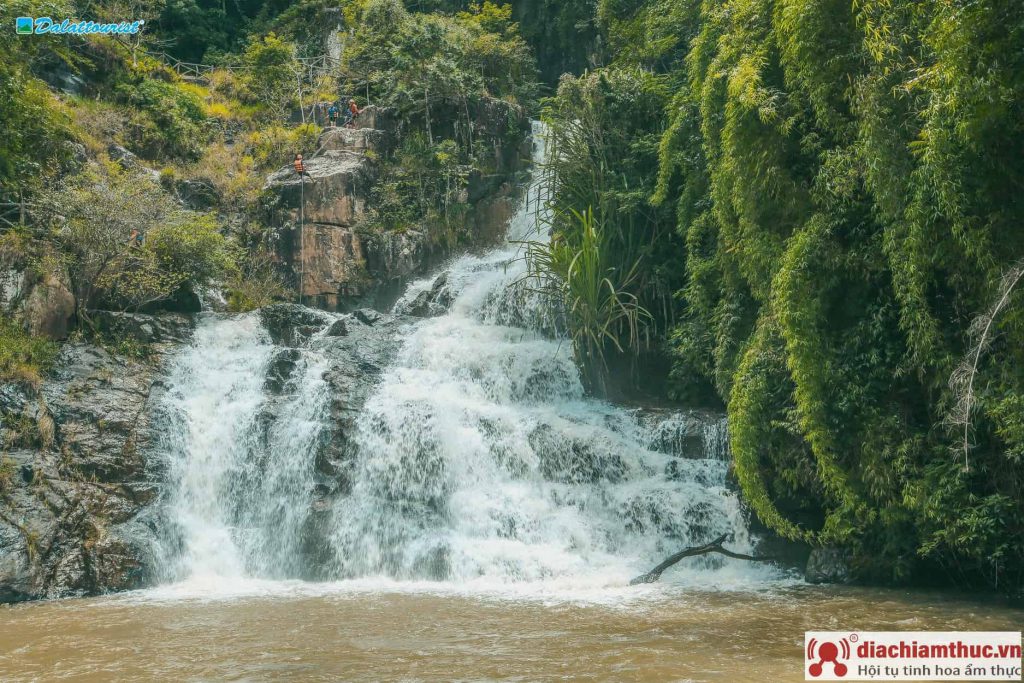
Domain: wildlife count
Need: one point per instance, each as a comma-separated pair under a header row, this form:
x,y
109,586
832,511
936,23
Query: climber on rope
x,y
332,114
351,114
300,167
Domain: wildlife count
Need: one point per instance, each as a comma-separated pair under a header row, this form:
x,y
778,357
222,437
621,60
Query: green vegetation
x,y
23,357
824,192
76,161
458,84
575,268
99,264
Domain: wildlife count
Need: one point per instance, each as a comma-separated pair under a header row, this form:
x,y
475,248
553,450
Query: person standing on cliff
x,y
351,114
332,113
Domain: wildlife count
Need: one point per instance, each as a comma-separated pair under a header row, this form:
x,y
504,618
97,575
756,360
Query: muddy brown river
x,y
365,632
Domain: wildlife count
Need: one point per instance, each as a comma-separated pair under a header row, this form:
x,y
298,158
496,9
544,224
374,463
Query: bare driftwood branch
x,y
980,333
714,546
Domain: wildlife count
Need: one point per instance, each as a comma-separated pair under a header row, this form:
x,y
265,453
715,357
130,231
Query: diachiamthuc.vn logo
x,y
46,25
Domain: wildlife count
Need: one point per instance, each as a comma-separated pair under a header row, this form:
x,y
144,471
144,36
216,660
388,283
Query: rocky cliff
x,y
75,483
319,218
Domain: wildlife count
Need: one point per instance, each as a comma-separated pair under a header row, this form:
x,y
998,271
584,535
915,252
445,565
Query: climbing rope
x,y
302,234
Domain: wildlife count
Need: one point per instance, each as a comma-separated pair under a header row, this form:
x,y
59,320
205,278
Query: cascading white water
x,y
477,458
481,459
240,460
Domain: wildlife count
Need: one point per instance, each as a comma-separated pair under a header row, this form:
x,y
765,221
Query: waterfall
x,y
239,458
477,459
481,458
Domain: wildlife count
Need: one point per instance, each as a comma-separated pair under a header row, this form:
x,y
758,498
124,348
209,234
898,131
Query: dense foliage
x,y
103,268
459,85
836,204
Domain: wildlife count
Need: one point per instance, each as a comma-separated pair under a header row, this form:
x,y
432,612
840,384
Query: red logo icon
x,y
827,652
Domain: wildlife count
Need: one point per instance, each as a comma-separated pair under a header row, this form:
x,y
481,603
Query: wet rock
x,y
397,257
280,370
567,458
318,555
828,565
144,328
70,518
355,363
291,324
338,329
97,403
686,434
434,301
367,316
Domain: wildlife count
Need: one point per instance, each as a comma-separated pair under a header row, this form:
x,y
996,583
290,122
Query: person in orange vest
x,y
351,114
300,168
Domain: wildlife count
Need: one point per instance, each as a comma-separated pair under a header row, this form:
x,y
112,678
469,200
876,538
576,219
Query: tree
x,y
271,73
93,215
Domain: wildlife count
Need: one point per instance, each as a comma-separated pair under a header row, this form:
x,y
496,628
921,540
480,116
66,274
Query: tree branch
x,y
714,546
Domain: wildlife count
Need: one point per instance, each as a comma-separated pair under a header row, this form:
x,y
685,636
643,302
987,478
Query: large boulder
x,y
828,565
433,301
360,140
49,308
198,194
333,193
378,118
292,325
143,328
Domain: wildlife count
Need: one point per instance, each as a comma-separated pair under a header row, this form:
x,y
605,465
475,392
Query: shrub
x,y
170,121
93,216
256,284
23,357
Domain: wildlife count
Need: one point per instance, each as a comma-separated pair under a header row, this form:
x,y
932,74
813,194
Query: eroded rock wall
x,y
337,266
76,488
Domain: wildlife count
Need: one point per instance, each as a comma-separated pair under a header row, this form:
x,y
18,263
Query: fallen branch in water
x,y
714,546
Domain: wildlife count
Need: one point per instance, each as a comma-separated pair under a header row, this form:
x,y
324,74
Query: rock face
x,y
828,565
337,266
75,486
48,309
167,328
45,306
357,347
317,214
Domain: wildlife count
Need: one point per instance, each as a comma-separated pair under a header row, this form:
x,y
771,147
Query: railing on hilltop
x,y
313,67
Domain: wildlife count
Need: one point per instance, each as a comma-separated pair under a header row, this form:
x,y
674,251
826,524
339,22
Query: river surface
x,y
375,631
494,516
